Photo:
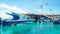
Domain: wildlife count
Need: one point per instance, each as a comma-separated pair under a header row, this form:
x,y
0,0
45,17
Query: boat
x,y
57,22
21,21
16,20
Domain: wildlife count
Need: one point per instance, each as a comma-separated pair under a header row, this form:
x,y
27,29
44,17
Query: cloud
x,y
5,16
10,9
13,8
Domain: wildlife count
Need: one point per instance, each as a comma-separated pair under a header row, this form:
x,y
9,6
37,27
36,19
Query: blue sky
x,y
34,5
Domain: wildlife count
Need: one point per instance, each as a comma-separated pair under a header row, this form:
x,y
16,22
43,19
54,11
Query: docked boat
x,y
16,19
21,21
57,22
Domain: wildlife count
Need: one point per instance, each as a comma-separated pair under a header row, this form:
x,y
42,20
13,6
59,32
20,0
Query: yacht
x,y
16,19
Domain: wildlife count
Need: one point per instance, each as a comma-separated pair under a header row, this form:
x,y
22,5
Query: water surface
x,y
31,28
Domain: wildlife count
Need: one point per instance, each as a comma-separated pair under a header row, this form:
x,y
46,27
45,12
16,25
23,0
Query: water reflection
x,y
33,28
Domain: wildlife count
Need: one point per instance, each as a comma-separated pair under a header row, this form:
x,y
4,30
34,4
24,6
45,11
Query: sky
x,y
31,6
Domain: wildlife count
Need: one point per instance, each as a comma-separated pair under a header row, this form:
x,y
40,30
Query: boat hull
x,y
10,22
56,22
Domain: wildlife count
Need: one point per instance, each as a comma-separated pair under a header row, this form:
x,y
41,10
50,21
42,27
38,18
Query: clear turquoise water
x,y
31,28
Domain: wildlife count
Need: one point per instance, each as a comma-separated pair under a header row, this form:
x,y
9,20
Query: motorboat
x,y
16,20
57,22
21,21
